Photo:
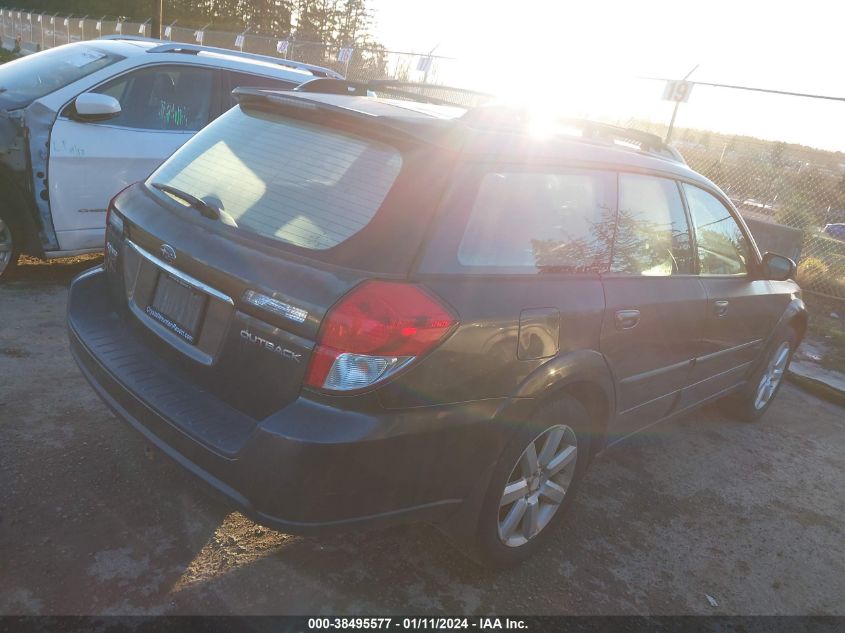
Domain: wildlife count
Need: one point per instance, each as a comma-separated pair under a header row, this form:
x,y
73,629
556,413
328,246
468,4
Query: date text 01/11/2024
x,y
436,624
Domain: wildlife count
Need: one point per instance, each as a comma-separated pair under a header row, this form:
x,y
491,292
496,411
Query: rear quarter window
x,y
529,222
302,184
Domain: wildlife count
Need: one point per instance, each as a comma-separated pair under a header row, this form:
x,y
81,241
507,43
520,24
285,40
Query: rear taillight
x,y
373,332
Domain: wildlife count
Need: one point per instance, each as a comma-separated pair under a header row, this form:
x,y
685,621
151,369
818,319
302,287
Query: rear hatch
x,y
227,259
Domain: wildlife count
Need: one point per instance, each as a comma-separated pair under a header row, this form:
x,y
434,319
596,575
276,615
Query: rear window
x,y
546,222
299,183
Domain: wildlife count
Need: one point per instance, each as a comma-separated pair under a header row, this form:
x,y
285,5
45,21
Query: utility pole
x,y
430,62
675,109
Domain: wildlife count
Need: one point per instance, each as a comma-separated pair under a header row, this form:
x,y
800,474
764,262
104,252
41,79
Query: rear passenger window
x,y
652,235
722,247
539,222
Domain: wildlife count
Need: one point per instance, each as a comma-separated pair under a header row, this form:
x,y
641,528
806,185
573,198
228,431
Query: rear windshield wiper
x,y
206,209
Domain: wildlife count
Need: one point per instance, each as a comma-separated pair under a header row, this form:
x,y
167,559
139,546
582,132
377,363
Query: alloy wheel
x,y
772,376
537,485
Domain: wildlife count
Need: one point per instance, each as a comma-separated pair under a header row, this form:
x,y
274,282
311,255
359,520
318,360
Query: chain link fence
x,y
360,63
791,196
38,31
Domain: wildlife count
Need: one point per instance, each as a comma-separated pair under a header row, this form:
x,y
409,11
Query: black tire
x,y
743,405
9,231
488,548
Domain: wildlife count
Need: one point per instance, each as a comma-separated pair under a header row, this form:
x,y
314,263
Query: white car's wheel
x,y
9,246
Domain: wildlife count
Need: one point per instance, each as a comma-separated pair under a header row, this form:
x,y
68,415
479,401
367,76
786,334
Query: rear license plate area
x,y
178,307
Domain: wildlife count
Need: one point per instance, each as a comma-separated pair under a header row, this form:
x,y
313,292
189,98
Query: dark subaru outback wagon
x,y
344,310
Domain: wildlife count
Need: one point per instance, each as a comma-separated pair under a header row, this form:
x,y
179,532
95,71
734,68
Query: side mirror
x,y
778,267
91,106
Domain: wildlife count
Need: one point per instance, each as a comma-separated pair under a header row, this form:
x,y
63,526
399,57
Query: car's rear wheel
x,y
9,246
756,397
533,484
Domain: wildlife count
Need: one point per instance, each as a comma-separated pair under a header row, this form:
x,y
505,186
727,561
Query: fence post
x,y
143,29
242,38
67,27
282,48
168,30
82,27
199,35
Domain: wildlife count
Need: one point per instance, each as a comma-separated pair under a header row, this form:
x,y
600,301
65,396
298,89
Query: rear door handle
x,y
720,308
627,319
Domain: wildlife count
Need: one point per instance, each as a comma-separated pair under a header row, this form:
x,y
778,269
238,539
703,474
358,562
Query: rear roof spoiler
x,y
419,92
299,105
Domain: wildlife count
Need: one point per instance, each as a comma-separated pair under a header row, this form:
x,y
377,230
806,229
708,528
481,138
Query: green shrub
x,y
6,55
812,270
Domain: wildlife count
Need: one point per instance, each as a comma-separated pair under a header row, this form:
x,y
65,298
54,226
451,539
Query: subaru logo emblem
x,y
168,254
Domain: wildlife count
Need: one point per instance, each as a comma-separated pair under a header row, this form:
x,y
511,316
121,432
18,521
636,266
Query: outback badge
x,y
270,346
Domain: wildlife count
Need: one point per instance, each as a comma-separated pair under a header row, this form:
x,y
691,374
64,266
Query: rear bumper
x,y
306,468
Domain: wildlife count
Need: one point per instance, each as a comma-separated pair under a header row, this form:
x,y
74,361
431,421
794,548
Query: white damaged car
x,y
80,122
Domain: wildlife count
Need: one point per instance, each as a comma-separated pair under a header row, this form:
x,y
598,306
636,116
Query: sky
x,y
588,56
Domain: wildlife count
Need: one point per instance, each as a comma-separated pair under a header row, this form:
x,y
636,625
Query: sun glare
x,y
590,59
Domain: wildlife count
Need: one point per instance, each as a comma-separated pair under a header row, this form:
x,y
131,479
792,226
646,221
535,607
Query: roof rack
x,y
512,118
644,141
194,49
420,92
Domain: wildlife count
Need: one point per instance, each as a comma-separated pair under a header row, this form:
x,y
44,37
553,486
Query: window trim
x,y
434,246
623,275
752,267
696,264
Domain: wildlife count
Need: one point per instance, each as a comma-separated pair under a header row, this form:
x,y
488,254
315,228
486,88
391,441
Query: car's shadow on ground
x,y
185,550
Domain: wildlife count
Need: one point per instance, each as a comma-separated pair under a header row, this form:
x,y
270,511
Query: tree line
x,y
339,22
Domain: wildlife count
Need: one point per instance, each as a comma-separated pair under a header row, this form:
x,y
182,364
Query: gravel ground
x,y
92,521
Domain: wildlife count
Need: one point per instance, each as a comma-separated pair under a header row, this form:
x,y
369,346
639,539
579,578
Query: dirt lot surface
x,y
94,522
